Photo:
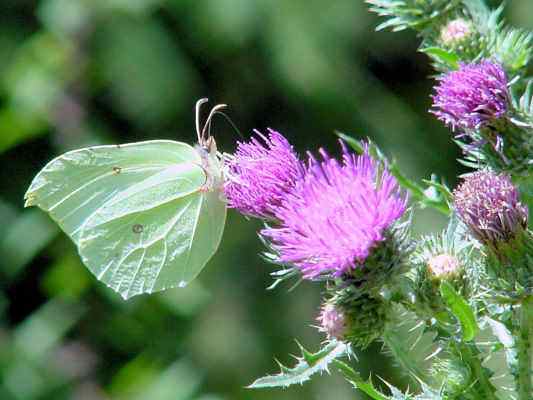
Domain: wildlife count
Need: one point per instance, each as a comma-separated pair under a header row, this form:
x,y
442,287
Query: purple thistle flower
x,y
489,205
332,321
336,214
473,96
260,174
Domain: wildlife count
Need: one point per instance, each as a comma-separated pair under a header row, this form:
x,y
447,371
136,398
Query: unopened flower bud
x,y
354,318
490,206
443,265
455,32
332,322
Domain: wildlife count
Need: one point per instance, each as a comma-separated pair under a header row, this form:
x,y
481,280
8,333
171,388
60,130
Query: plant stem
x,y
483,387
523,347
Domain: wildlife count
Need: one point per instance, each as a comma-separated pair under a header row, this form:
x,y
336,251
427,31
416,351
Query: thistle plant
x,y
454,310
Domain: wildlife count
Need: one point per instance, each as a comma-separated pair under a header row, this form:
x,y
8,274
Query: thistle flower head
x,y
332,321
473,96
443,265
260,174
455,31
336,215
489,205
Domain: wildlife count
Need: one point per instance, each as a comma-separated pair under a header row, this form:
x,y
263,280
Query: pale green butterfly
x,y
144,216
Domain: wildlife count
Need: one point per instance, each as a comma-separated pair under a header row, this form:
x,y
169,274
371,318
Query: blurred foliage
x,y
85,72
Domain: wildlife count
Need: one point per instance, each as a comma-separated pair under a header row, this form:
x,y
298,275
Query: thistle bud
x,y
443,266
332,321
455,32
354,317
439,258
489,205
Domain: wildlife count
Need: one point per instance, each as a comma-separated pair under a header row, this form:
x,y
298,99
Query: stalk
x,y
483,389
523,347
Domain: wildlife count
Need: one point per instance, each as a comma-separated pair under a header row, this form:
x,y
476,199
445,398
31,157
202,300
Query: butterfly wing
x,y
139,214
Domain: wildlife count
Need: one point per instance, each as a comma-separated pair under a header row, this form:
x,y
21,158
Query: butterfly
x,y
144,216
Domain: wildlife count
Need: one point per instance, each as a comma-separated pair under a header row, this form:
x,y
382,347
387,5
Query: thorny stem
x,y
483,387
523,347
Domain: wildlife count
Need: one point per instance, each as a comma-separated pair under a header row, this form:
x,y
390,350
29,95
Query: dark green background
x,y
83,72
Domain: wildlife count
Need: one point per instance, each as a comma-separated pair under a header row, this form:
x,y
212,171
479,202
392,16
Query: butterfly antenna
x,y
199,132
232,124
212,113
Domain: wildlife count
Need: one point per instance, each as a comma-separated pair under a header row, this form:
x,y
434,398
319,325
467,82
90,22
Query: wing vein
x,y
172,224
132,281
189,247
106,175
164,260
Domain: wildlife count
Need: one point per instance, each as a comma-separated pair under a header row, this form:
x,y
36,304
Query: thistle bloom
x,y
332,321
336,215
473,96
455,31
260,174
489,205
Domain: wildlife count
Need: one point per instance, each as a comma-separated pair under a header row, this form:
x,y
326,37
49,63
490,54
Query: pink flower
x,y
489,205
260,174
472,96
336,214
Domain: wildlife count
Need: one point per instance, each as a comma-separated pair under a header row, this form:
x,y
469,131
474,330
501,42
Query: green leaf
x,y
513,47
45,328
17,127
499,354
16,251
442,56
410,345
414,14
144,92
367,387
308,364
460,309
358,382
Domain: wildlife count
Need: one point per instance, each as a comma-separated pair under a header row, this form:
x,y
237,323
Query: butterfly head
x,y
205,140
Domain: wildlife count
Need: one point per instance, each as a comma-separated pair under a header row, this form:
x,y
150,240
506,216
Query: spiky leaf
x,y
410,344
307,365
414,14
368,388
499,353
512,47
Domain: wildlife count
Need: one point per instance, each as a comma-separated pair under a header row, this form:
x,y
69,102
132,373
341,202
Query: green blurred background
x,y
84,72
